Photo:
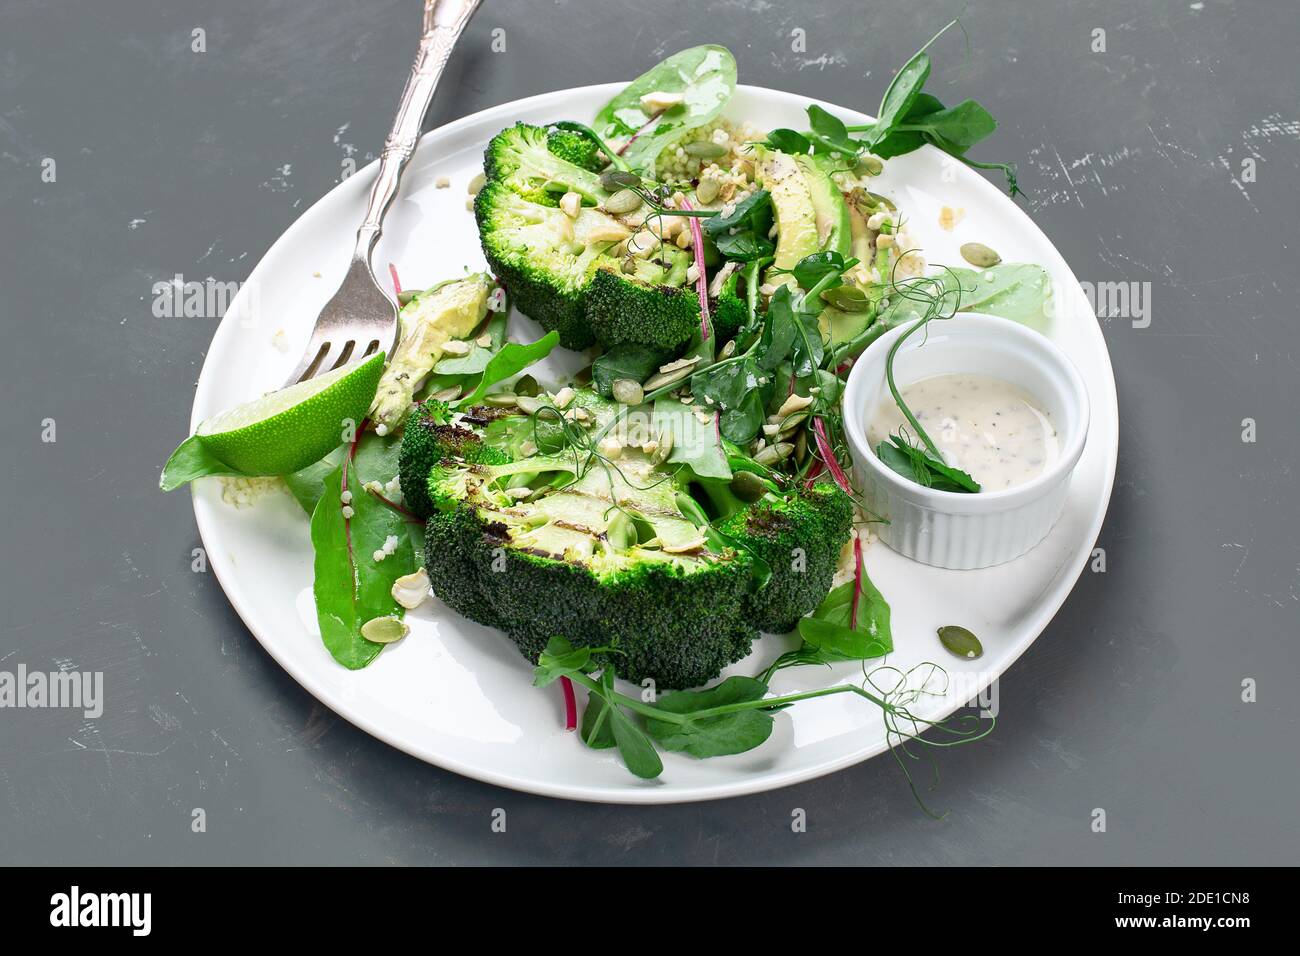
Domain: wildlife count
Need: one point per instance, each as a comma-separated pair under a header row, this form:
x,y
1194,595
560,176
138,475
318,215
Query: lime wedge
x,y
290,429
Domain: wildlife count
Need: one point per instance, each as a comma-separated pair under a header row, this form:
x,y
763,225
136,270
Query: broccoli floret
x,y
598,554
521,158
800,535
574,147
655,306
537,254
567,272
428,439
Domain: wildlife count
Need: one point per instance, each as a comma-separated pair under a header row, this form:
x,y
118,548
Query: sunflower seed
x,y
627,392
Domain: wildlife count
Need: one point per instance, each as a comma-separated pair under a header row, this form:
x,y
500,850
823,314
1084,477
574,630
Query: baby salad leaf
x,y
636,749
512,359
918,465
307,485
719,734
695,444
830,133
743,235
733,387
350,586
705,75
832,633
788,141
479,355
1018,291
596,730
631,360
560,659
192,460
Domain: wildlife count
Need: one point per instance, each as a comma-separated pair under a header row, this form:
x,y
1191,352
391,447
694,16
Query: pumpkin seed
x,y
961,641
795,403
620,532
623,201
627,391
655,382
707,191
500,399
663,447
775,454
527,404
615,179
527,385
384,630
448,394
869,166
980,255
847,298
704,149
791,422
748,487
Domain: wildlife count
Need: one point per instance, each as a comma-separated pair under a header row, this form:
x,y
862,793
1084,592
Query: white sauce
x,y
988,428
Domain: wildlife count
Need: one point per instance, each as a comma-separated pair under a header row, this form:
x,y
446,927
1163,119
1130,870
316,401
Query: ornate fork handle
x,y
444,21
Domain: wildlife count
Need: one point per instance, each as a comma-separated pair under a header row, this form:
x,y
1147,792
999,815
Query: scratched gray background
x,y
174,162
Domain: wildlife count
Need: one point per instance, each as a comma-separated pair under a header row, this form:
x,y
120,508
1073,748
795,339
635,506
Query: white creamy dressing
x,y
988,428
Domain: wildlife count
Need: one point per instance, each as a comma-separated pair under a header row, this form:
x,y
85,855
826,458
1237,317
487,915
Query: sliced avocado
x,y
861,245
796,217
840,327
834,231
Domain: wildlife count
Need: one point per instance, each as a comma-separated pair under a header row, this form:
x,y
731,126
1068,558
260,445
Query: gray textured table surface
x,y
1168,160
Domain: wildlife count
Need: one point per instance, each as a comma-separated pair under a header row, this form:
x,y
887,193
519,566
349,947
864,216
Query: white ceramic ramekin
x,y
945,528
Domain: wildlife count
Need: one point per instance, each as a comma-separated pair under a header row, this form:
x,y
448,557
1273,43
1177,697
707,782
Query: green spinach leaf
x,y
1018,291
717,735
695,444
351,587
630,360
512,359
704,75
192,460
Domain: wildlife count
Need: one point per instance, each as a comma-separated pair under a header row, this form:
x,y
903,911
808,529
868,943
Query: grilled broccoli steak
x,y
571,270
534,535
429,438
800,536
538,547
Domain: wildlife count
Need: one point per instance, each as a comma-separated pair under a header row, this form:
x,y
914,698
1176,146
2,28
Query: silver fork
x,y
362,317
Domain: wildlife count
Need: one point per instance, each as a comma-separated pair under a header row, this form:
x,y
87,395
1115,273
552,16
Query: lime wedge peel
x,y
294,427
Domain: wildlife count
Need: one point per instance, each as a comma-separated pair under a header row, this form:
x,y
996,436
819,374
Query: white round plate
x,y
459,695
